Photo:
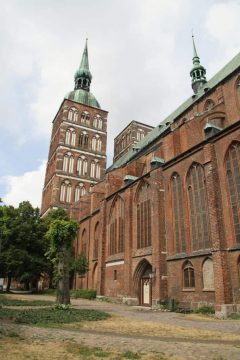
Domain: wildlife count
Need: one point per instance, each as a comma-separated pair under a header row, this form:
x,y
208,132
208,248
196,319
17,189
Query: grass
x,y
48,316
205,310
89,294
5,301
235,316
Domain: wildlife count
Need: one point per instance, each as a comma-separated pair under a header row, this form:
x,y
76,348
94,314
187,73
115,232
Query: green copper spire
x,y
83,75
198,72
83,78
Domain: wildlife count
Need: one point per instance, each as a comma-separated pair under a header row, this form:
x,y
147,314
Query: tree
x,y
61,234
23,245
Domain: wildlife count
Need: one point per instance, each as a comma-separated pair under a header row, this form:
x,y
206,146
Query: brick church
x,y
164,220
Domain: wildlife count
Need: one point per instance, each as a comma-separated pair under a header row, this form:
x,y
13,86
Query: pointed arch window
x,y
85,118
96,240
82,166
188,276
208,274
68,162
98,171
73,115
178,213
99,145
83,140
79,191
70,137
144,230
233,178
97,121
140,134
198,207
93,169
65,191
94,143
116,227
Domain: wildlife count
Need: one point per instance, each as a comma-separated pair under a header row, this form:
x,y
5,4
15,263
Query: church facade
x,y
164,220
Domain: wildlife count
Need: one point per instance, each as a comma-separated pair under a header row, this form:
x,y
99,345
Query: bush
x,y
89,294
205,310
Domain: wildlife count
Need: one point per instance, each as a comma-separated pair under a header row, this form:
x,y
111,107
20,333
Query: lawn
x,y
5,300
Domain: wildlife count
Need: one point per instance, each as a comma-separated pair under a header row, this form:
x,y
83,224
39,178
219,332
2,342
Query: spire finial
x,y
83,75
198,72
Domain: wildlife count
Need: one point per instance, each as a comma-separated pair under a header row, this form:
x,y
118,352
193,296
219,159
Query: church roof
x,y
83,97
227,70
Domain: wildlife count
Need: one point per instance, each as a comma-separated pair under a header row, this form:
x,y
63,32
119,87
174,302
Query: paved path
x,y
184,349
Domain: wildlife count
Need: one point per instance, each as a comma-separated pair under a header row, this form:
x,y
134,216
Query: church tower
x,y
198,72
77,153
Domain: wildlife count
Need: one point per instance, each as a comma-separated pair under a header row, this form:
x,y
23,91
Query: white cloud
x,y
25,187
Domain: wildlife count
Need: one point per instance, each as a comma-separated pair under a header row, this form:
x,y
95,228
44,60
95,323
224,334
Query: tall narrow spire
x,y
83,75
198,72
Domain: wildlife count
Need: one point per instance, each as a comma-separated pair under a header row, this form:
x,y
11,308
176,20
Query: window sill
x,y
188,290
208,290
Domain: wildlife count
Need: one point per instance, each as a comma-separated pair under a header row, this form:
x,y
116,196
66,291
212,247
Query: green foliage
x,y
80,264
234,316
4,301
84,294
51,316
205,310
23,244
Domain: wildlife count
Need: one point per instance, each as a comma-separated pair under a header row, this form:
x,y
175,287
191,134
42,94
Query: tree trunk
x,y
9,280
63,293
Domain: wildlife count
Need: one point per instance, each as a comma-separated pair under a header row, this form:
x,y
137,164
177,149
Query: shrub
x,y
84,294
205,310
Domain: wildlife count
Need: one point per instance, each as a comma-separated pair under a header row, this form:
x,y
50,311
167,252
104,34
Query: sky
x,y
140,55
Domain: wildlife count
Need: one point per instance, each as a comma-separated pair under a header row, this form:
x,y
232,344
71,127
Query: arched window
x,y
73,114
97,122
144,230
98,171
140,134
233,177
83,140
94,143
79,191
65,192
99,144
96,240
70,137
198,207
238,270
188,276
82,165
208,274
68,162
178,214
93,169
85,118
116,227
84,242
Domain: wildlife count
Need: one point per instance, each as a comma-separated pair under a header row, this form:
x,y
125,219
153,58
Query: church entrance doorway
x,y
146,287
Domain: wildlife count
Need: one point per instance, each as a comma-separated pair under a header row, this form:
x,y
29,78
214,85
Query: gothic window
x,y
96,240
198,207
98,171
140,134
68,162
233,178
99,144
178,214
93,169
144,230
82,166
79,191
73,114
65,192
94,143
85,118
97,122
84,242
188,276
68,137
116,227
83,140
208,274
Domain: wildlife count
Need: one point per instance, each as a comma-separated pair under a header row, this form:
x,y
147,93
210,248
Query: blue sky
x,y
140,56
